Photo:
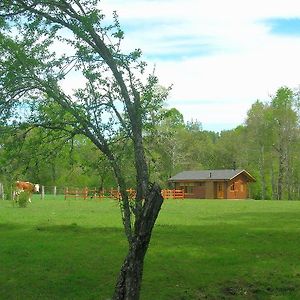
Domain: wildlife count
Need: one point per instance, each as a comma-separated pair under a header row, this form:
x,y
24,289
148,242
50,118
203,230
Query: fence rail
x,y
173,194
115,193
94,193
86,193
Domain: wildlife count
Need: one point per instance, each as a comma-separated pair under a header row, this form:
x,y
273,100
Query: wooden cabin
x,y
213,184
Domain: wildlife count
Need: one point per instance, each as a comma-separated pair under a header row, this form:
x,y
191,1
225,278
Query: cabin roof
x,y
210,175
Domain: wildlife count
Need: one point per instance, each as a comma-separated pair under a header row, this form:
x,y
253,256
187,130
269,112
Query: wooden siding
x,y
237,188
210,190
192,189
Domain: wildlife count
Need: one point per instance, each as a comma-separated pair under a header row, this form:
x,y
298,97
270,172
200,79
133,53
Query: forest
x,y
266,145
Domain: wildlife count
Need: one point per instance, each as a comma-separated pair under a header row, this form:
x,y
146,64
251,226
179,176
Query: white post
x,y
54,191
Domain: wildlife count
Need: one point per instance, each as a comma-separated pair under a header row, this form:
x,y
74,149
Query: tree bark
x,y
281,160
130,277
274,191
262,173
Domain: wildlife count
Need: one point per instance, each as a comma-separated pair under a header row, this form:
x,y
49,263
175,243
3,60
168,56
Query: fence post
x,y
66,192
43,193
85,193
54,190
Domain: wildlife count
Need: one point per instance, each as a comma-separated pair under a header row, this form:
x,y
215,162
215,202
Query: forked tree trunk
x,y
129,282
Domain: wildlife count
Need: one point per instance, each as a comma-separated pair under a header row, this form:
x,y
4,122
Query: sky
x,y
220,56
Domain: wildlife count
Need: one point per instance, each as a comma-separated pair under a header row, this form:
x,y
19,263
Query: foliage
x,y
172,146
112,108
23,199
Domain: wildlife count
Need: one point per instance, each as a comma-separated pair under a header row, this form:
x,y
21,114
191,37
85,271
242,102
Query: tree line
x,y
266,145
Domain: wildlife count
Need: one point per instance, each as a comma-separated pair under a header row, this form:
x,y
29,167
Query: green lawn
x,y
200,249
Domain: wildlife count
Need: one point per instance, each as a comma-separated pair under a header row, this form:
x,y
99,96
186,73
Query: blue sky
x,y
285,27
221,56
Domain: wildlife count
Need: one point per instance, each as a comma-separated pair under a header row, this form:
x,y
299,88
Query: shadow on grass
x,y
260,216
242,256
9,226
246,260
79,229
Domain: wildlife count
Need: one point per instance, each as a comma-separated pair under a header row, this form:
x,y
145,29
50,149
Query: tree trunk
x,y
130,277
290,175
274,191
262,173
129,282
280,175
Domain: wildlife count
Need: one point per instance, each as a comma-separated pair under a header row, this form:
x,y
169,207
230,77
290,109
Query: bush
x,y
23,199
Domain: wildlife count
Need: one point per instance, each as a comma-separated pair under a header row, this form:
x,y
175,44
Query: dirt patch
x,y
240,289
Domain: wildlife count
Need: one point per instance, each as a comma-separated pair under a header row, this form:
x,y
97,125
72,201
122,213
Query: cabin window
x,y
232,187
242,187
188,187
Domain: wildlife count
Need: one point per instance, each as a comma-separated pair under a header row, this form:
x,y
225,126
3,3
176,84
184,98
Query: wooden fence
x,y
87,193
76,193
173,194
96,194
115,193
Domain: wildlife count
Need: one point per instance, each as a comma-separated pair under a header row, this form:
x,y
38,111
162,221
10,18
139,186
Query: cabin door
x,y
220,190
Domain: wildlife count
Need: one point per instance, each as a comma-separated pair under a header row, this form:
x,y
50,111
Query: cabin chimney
x,y
234,165
209,174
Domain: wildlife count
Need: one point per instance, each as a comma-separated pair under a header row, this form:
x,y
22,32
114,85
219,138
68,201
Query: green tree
x,y
163,144
259,143
272,144
284,127
115,103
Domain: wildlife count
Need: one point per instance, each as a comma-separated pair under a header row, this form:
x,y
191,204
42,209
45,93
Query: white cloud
x,y
249,63
241,60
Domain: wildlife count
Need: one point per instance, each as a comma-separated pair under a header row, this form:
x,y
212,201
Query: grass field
x,y
200,249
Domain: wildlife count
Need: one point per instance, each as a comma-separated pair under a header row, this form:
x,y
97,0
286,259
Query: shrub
x,y
23,199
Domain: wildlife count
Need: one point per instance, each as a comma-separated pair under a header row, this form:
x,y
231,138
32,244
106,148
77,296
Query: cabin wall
x,y
215,189
220,189
238,188
210,190
199,190
192,189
